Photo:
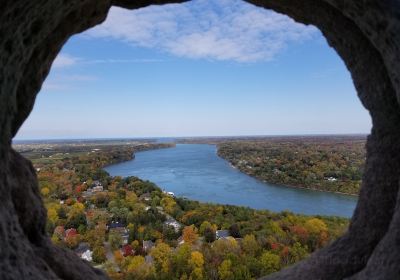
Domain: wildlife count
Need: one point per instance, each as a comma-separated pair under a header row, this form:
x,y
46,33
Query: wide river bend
x,y
195,171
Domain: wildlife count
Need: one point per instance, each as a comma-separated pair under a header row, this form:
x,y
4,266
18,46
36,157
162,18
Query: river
x,y
195,171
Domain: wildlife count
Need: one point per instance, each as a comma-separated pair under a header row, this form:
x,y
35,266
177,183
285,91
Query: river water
x,y
195,171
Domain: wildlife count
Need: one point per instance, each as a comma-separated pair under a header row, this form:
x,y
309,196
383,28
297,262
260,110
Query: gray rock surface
x,y
365,34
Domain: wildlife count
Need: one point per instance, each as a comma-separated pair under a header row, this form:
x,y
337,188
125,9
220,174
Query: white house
x,y
87,255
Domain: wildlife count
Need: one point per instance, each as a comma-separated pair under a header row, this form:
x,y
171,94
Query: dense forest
x,y
134,230
332,164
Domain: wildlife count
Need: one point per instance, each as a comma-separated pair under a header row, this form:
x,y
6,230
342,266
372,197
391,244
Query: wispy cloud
x,y
59,82
220,30
65,60
138,60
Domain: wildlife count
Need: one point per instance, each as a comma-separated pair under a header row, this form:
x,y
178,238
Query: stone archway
x,y
366,34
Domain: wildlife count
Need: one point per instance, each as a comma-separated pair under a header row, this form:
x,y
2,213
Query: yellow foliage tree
x,y
45,191
250,245
52,215
168,204
225,270
315,226
197,263
134,263
161,254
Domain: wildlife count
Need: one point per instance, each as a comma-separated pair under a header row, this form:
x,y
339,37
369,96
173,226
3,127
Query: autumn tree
x,y
225,270
99,254
270,263
161,254
189,234
115,240
197,263
250,245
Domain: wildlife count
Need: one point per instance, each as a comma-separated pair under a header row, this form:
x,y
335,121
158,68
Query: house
x,y
127,250
82,247
84,252
173,223
171,194
88,193
119,228
98,188
87,256
224,234
145,197
147,245
331,179
115,224
96,183
180,240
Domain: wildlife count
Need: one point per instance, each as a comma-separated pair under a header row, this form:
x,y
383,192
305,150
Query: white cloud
x,y
221,30
111,60
64,60
59,82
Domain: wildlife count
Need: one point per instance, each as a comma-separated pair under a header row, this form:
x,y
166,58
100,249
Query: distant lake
x,y
195,171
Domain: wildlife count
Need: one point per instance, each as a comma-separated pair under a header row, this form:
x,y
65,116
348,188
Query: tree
x,y
297,252
161,254
197,263
52,215
209,235
189,234
315,226
223,247
133,263
270,263
115,240
196,259
45,191
118,257
318,232
74,221
205,225
99,254
234,231
168,204
131,200
72,241
225,270
250,245
181,259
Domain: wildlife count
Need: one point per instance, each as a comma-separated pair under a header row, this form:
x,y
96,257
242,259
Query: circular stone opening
x,y
362,36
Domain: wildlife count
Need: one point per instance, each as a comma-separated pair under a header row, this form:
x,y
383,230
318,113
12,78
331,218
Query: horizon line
x,y
182,137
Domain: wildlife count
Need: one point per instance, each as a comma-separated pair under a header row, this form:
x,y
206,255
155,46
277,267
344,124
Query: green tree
x,y
99,254
115,240
270,263
250,245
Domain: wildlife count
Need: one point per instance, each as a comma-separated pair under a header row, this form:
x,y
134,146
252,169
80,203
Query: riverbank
x,y
319,165
195,171
123,222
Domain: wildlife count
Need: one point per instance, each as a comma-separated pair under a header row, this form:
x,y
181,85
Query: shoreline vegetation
x,y
319,163
133,230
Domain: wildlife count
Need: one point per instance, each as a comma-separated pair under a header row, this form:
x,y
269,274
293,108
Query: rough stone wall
x,y
365,33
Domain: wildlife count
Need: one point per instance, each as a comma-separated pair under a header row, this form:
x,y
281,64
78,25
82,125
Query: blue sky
x,y
197,69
